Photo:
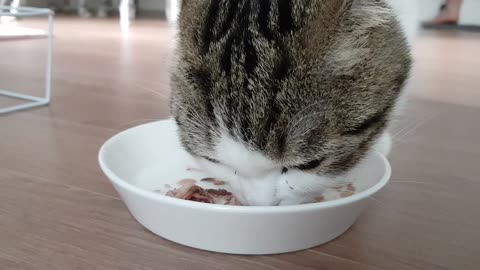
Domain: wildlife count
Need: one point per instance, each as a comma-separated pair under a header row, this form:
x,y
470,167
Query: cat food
x,y
347,193
350,190
337,192
189,191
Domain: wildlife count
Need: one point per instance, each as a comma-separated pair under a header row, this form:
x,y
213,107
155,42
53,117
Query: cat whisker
x,y
196,120
301,122
195,116
374,199
162,95
290,126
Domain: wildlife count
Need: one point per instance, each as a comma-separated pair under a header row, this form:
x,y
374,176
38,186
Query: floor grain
x,y
57,210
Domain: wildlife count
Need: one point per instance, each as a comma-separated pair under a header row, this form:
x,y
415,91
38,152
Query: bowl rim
x,y
116,180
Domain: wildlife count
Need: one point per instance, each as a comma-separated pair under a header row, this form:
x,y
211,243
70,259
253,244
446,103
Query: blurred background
x,y
108,43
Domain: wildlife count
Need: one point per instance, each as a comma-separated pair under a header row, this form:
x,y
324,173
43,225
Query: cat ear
x,y
326,15
345,30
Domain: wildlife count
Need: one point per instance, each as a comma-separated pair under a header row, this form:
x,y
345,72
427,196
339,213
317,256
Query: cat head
x,y
291,85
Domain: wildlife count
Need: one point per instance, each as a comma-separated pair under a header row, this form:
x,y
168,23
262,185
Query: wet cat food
x,y
189,191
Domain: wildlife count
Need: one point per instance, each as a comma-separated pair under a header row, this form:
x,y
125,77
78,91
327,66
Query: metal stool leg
x,y
33,101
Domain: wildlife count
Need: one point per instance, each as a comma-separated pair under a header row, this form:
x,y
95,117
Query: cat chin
x,y
258,191
297,187
258,181
292,188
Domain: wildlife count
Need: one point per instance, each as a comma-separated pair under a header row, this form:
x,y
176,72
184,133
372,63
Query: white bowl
x,y
145,158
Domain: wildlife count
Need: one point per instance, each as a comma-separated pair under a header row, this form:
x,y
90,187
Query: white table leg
x,y
127,10
172,10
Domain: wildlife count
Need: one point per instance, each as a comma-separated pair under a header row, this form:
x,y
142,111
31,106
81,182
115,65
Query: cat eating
x,y
282,98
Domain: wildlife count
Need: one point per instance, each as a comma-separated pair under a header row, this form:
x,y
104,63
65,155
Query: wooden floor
x,y
57,210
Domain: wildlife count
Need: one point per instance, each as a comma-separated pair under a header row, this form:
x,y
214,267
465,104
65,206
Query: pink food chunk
x,y
191,192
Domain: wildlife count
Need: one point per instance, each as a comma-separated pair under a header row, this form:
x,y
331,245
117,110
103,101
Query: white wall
x,y
407,12
470,12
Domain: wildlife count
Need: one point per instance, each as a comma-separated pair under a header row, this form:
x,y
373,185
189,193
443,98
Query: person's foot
x,y
443,18
84,13
449,14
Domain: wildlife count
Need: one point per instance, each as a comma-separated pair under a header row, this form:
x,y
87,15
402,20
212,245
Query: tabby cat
x,y
283,97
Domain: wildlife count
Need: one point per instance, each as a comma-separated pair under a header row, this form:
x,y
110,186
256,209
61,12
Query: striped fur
x,y
298,81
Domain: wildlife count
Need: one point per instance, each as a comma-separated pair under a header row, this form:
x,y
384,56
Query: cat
x,y
281,98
